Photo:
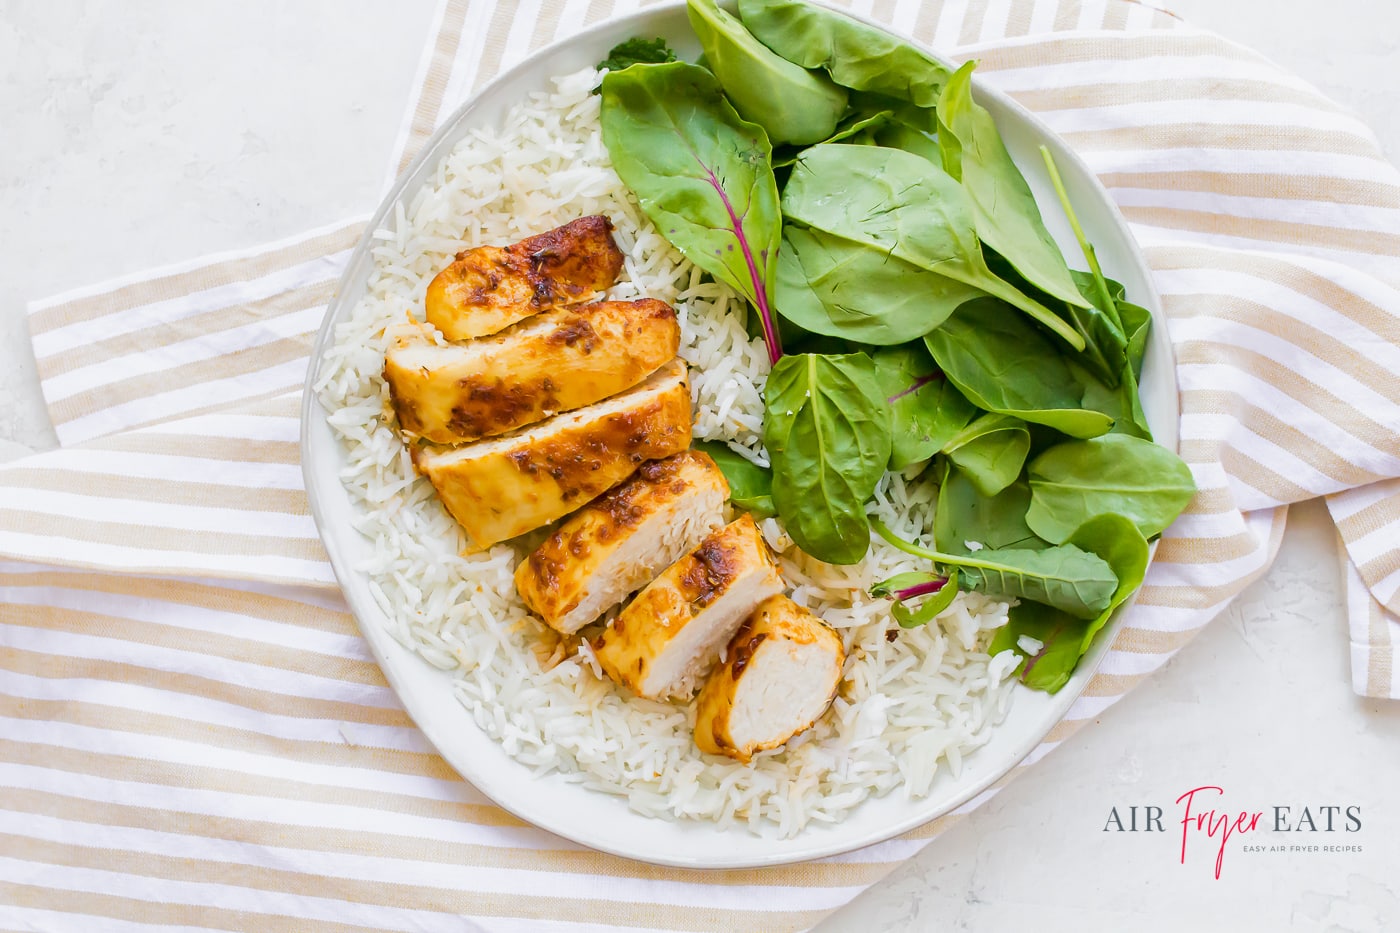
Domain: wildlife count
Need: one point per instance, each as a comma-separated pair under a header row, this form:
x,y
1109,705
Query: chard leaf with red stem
x,y
701,173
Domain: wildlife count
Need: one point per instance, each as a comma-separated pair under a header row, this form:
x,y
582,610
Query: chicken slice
x,y
561,360
491,287
620,541
672,632
779,674
508,485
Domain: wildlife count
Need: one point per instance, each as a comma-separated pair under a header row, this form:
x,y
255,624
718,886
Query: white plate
x,y
598,820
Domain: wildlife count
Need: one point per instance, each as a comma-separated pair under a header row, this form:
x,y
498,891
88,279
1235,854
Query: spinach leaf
x,y
851,127
1137,324
792,104
840,288
1078,480
637,50
1105,300
906,206
1004,209
1002,363
857,56
1105,344
1065,639
1067,577
937,592
750,485
827,430
990,451
900,134
1121,403
700,173
925,410
1059,634
965,515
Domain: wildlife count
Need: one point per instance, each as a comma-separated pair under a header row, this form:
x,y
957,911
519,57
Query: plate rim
x,y
380,640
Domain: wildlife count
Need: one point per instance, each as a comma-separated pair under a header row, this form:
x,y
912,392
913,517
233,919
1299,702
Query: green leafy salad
x,y
917,312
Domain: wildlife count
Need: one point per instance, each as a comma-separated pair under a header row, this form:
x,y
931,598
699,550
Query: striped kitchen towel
x,y
194,736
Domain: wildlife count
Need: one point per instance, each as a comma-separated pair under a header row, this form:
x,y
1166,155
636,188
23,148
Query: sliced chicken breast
x,y
561,360
508,485
662,643
779,674
491,287
620,541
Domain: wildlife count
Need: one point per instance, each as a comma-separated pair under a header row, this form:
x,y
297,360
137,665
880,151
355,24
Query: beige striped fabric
x,y
194,736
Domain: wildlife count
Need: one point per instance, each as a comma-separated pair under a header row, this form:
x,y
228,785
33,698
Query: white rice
x,y
908,709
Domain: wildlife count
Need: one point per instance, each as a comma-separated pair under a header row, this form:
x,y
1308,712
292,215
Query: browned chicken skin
x,y
620,541
508,485
561,360
491,287
675,628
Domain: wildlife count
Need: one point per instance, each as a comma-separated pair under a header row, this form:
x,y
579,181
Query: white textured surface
x,y
145,133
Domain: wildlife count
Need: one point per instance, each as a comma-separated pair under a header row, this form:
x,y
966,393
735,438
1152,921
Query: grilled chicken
x,y
665,639
780,673
620,541
508,485
491,287
561,360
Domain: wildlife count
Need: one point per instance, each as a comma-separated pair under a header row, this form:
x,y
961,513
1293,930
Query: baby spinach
x,y
1065,639
637,50
925,410
750,485
700,172
906,206
792,104
1002,363
966,516
1137,324
853,126
900,134
827,429
829,285
1105,344
1067,577
990,451
1078,480
1004,209
937,592
1105,301
1121,403
856,56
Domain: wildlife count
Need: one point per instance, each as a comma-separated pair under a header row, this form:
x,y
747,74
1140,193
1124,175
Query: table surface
x,y
142,134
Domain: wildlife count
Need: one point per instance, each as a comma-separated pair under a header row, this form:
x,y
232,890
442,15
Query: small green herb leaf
x,y
635,51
